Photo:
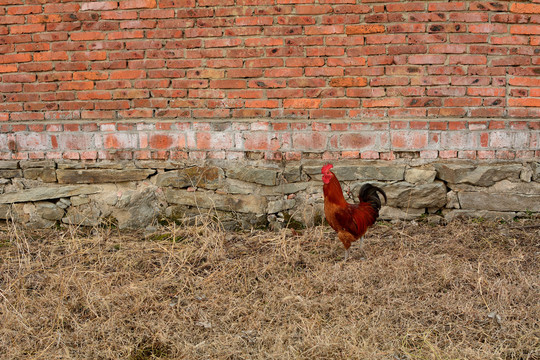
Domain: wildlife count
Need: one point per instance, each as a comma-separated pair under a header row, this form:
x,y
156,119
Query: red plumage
x,y
350,221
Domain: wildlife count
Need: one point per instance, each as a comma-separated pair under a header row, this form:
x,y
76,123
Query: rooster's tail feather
x,y
368,193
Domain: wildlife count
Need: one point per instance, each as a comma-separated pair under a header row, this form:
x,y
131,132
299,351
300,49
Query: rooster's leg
x,y
361,242
346,256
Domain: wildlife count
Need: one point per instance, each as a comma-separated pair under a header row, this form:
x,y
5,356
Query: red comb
x,y
326,168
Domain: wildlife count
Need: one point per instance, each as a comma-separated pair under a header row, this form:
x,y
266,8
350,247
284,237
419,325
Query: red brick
x,y
438,125
254,21
525,29
269,104
409,139
525,8
302,103
128,74
533,102
488,6
386,102
309,141
100,5
24,10
364,29
27,29
406,7
348,82
447,154
426,59
524,81
478,91
137,4
340,103
61,8
454,6
357,141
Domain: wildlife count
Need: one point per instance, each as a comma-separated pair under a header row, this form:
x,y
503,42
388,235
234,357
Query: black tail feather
x,y
368,193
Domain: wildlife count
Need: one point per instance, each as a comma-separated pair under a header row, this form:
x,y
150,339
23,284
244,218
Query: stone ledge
x,y
135,194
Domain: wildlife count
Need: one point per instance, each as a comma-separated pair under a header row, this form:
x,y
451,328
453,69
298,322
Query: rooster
x,y
349,220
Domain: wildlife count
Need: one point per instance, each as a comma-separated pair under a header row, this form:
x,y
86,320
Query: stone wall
x,y
136,194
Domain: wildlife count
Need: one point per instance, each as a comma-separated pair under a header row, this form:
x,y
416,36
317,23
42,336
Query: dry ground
x,y
461,291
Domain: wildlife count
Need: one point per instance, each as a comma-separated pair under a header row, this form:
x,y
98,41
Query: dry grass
x,y
461,291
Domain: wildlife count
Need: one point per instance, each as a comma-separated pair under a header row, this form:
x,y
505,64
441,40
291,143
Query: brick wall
x,y
280,140
273,78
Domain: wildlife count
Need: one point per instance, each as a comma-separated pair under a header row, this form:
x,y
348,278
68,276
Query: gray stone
x,y
79,200
280,205
210,200
158,164
505,186
380,172
312,170
526,174
405,195
8,174
138,208
5,210
79,165
85,215
452,201
483,175
28,164
292,174
196,176
391,213
49,211
479,214
9,164
44,174
18,213
372,171
64,203
482,200
420,176
46,193
536,171
284,189
93,176
233,186
254,175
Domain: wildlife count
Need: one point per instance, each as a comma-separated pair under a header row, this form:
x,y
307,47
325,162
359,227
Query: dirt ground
x,y
467,290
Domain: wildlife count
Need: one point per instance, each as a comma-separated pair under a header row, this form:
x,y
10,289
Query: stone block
x,y
284,189
49,211
85,215
210,200
47,175
29,164
483,175
261,176
405,195
9,165
96,176
477,214
481,200
10,173
196,176
47,192
391,213
419,176
5,210
364,172
280,205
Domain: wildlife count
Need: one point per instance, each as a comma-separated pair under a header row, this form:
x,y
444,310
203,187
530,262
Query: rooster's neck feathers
x,y
333,192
